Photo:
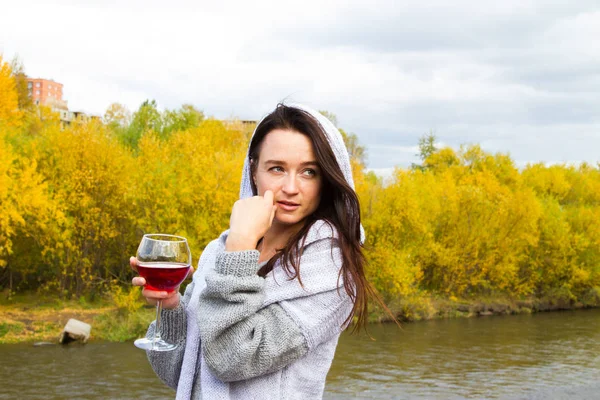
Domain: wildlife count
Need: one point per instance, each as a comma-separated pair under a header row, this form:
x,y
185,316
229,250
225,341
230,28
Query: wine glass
x,y
164,261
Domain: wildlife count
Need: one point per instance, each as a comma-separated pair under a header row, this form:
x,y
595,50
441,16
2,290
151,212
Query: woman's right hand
x,y
250,219
170,300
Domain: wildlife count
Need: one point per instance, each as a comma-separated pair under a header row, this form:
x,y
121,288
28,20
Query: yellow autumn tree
x,y
9,215
486,222
25,207
461,226
566,262
188,183
10,115
89,177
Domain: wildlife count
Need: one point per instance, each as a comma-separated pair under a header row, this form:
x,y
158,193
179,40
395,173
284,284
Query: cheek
x,y
263,183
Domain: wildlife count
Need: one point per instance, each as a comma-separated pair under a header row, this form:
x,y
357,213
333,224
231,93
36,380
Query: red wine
x,y
163,276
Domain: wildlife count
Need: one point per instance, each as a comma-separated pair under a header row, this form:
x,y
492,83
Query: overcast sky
x,y
521,77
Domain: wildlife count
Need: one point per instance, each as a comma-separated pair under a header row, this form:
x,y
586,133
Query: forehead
x,y
283,144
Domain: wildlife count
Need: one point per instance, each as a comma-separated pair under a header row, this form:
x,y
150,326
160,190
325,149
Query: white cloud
x,y
516,76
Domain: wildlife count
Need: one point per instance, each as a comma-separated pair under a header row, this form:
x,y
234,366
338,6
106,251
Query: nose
x,y
290,186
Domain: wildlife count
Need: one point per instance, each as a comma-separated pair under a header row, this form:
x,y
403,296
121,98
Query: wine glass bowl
x,y
164,262
161,276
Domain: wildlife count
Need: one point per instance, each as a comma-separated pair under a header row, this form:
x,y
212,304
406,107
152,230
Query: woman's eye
x,y
310,172
276,169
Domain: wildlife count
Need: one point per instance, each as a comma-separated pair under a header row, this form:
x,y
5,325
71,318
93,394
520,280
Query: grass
x,y
123,315
120,326
26,318
425,307
9,328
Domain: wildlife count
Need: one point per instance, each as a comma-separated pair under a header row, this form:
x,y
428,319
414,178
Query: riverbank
x,y
124,316
29,318
427,307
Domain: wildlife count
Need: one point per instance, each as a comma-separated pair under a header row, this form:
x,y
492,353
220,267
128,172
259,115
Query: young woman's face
x,y
287,166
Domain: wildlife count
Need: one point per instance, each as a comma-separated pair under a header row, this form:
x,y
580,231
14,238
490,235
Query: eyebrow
x,y
280,162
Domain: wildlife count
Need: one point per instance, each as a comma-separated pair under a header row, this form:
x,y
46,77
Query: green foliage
x,y
426,149
129,320
188,117
357,152
148,120
8,328
119,326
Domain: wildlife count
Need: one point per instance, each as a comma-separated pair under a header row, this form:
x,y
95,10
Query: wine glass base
x,y
154,345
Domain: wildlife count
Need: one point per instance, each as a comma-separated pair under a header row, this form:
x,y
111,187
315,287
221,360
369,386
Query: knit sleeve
x,y
167,364
239,339
245,335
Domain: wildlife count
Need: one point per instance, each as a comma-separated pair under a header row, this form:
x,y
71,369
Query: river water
x,y
541,356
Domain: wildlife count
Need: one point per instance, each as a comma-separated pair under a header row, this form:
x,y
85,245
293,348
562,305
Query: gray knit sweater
x,y
267,338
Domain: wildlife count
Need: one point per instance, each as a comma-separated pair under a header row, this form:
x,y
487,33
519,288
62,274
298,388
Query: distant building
x,y
82,116
47,93
244,125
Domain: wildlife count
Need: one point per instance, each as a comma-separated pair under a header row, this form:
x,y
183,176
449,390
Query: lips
x,y
288,205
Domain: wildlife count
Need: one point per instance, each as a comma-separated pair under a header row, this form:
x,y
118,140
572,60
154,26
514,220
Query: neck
x,y
276,238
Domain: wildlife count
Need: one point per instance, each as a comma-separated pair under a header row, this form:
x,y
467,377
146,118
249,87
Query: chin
x,y
288,220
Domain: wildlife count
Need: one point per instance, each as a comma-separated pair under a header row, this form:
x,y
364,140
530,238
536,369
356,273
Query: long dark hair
x,y
339,207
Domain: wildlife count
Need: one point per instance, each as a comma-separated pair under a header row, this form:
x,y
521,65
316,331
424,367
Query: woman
x,y
263,314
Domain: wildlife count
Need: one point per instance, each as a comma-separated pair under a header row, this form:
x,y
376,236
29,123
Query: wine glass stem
x,y
157,325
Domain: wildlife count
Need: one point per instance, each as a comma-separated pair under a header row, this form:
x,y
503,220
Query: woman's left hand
x,y
250,219
170,299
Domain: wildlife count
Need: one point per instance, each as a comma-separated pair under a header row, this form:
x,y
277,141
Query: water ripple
x,y
501,357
